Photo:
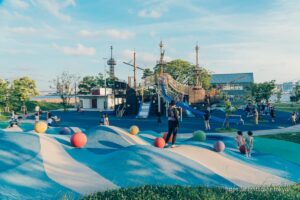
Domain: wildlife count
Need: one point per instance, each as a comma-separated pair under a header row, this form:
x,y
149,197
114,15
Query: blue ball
x,y
65,131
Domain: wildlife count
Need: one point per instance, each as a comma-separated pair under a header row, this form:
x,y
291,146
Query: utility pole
x,y
162,52
134,70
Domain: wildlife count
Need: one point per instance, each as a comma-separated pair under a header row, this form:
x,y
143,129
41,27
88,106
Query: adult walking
x,y
173,123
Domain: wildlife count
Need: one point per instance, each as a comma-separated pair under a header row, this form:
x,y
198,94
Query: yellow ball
x,y
134,130
40,127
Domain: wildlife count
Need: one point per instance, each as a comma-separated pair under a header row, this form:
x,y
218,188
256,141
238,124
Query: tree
x,y
4,93
229,109
89,82
21,90
297,91
64,86
262,91
147,72
182,71
279,95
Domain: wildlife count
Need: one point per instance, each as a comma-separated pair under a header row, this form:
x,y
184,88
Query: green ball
x,y
199,136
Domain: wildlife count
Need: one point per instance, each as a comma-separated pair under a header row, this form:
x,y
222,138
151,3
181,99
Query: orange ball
x,y
165,137
78,140
159,142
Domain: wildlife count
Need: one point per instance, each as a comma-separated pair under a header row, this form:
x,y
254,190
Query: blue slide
x,y
198,113
144,110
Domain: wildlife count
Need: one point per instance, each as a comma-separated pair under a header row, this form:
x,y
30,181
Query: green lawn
x,y
291,137
226,130
288,107
181,192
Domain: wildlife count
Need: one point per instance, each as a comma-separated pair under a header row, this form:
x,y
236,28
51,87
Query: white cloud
x,y
90,34
149,13
55,7
111,33
23,30
21,4
79,50
118,34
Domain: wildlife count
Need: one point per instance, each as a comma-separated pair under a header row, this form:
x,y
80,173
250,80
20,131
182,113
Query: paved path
x,y
240,174
63,169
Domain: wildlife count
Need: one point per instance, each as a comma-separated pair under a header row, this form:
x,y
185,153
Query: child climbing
x,y
173,123
239,139
249,143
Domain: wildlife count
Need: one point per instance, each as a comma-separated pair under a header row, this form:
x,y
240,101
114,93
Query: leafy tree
x,y
147,72
297,91
262,91
229,109
4,93
64,86
89,82
21,90
182,71
279,95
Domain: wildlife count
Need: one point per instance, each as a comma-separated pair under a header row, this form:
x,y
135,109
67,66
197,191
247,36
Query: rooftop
x,y
230,78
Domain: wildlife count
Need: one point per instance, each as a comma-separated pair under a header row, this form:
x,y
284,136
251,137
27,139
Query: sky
x,y
43,38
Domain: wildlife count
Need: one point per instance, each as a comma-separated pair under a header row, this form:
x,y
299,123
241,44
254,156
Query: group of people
x,y
247,142
260,109
104,121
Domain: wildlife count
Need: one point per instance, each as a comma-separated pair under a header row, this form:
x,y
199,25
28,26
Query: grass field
x,y
288,107
226,130
291,137
181,192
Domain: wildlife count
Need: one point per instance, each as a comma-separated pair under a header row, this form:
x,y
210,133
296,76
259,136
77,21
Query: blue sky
x,y
42,38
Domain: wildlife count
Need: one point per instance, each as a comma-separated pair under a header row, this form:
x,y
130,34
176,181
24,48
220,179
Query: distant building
x,y
287,86
237,84
100,99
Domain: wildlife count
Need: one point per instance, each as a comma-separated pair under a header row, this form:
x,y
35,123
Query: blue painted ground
x,y
22,174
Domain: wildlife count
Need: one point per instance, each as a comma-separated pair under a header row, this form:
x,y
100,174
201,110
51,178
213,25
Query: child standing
x,y
294,118
102,120
106,120
239,139
206,117
249,143
256,116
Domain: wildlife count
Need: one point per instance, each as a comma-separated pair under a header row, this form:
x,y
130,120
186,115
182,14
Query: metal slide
x,y
144,110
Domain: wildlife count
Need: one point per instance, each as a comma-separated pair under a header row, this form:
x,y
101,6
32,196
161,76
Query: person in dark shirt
x,y
206,117
173,123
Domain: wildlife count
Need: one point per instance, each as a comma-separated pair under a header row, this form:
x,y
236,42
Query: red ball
x,y
242,149
78,140
165,137
219,146
159,142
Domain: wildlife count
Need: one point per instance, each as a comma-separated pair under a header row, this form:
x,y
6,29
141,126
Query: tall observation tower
x,y
111,63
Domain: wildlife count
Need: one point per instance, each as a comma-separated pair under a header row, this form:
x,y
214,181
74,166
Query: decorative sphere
x,y
78,140
165,137
134,130
219,146
242,149
40,127
159,142
65,131
199,136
